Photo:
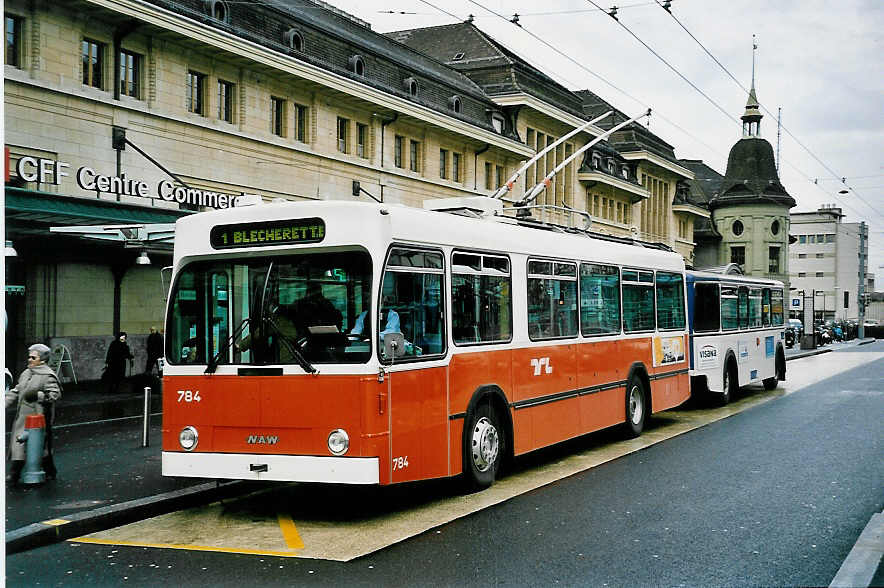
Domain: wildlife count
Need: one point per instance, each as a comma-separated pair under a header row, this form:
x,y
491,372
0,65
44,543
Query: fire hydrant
x,y
33,473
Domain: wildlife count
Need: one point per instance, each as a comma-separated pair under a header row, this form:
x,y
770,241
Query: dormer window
x,y
410,86
457,56
357,65
293,40
454,104
218,10
498,122
612,167
624,171
596,161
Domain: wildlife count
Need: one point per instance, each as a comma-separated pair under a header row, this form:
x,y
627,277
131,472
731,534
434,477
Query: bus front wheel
x,y
636,407
483,447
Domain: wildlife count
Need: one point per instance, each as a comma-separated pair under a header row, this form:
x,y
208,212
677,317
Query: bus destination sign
x,y
259,234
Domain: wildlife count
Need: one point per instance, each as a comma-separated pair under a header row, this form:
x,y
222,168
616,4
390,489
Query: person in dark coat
x,y
115,363
36,392
154,349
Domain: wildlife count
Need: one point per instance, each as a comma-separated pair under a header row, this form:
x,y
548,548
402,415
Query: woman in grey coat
x,y
37,390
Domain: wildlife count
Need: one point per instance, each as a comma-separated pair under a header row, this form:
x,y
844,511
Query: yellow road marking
x,y
290,532
185,547
56,522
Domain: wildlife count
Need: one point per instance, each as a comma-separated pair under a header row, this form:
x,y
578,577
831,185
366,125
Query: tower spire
x,y
752,117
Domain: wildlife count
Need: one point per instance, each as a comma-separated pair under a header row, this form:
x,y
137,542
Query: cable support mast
x,y
541,186
508,186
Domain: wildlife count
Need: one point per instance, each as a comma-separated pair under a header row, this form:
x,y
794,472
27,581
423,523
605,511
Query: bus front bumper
x,y
282,468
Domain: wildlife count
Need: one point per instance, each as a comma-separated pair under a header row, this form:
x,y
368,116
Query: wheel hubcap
x,y
636,405
485,443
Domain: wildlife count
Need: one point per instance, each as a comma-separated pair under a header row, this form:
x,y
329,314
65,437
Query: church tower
x,y
751,208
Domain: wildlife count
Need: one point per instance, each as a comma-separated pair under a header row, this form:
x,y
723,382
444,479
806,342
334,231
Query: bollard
x,y
33,471
145,433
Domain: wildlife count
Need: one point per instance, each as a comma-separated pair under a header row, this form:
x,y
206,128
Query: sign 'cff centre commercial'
x,y
50,171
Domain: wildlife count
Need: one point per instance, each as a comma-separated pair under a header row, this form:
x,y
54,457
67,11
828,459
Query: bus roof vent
x,y
248,200
468,205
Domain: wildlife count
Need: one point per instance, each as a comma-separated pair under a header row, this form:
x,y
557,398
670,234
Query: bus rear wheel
x,y
483,447
636,407
771,383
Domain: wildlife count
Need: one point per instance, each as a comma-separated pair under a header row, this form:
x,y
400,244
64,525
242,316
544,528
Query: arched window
x,y
357,65
454,104
411,86
293,39
218,10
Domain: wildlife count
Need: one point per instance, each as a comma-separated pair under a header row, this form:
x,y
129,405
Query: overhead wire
x,y
788,132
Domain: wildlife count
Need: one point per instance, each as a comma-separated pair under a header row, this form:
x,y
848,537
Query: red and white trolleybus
x,y
365,343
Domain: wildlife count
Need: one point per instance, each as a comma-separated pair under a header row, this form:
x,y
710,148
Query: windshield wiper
x,y
213,362
292,347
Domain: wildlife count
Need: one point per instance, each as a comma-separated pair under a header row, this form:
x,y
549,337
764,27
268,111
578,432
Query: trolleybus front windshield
x,y
271,310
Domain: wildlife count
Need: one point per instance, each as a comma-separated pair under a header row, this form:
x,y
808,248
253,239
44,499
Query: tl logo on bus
x,y
541,365
262,439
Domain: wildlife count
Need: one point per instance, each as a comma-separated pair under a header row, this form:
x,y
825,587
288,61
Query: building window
x,y
443,164
357,65
775,227
738,255
225,101
294,40
13,41
802,256
411,86
301,123
343,132
802,239
820,255
847,300
499,177
130,72
93,63
819,274
455,167
277,116
830,238
802,274
361,140
498,122
413,156
488,176
195,92
454,104
218,10
773,260
737,228
397,151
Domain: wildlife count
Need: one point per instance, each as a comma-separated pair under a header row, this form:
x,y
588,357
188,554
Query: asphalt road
x,y
776,495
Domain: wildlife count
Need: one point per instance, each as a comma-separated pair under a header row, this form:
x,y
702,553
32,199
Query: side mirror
x,y
394,345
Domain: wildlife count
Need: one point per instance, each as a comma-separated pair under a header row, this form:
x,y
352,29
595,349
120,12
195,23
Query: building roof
x,y
751,176
498,70
701,190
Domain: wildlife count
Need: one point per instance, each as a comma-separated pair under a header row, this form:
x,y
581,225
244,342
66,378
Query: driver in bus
x,y
315,310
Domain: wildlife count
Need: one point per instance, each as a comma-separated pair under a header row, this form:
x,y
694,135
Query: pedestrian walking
x,y
118,353
154,350
37,391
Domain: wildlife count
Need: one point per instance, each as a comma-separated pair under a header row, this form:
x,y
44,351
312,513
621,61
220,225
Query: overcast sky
x,y
820,61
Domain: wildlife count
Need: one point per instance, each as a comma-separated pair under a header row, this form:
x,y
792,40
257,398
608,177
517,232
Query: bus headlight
x,y
338,442
188,438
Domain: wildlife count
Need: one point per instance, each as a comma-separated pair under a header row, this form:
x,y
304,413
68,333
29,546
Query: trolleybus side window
x,y
552,299
599,299
776,307
707,307
729,308
481,297
765,307
638,300
411,302
755,310
670,301
743,297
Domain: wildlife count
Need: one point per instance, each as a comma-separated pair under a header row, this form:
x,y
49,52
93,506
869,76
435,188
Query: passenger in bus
x,y
315,310
389,317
